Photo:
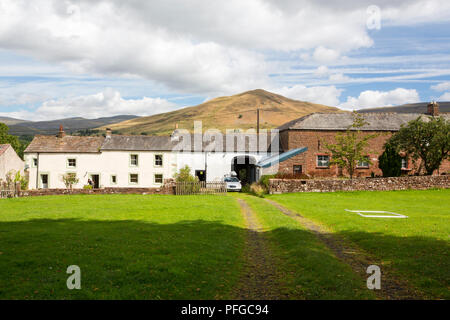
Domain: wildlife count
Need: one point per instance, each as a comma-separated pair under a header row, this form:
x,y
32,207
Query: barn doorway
x,y
245,168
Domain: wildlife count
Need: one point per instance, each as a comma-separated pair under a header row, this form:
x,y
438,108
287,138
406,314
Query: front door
x,y
44,181
96,180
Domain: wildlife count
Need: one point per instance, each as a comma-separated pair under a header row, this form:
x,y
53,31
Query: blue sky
x,y
76,58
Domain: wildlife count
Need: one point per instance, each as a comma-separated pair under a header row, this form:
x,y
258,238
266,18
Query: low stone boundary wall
x,y
50,192
359,184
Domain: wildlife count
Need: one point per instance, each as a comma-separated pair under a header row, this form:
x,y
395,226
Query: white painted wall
x,y
218,163
10,161
108,163
105,164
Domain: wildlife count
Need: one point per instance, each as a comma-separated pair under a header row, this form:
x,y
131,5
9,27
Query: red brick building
x,y
313,130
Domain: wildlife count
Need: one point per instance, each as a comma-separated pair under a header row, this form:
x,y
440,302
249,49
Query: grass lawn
x,y
127,246
416,248
310,269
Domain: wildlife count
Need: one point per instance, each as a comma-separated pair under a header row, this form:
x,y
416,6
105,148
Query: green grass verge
x,y
310,269
416,248
127,246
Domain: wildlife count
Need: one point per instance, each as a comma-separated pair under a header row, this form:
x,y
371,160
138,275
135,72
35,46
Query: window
x,y
34,162
158,178
323,161
158,160
297,169
134,178
363,163
404,163
72,163
113,179
134,160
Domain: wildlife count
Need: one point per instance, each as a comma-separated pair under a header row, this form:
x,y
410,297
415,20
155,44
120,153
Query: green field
x,y
192,247
416,249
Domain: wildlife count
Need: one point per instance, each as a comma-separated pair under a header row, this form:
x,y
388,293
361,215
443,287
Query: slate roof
x,y
340,121
67,144
137,143
3,148
166,143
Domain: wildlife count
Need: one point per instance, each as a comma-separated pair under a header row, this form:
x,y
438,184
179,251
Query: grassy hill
x,y
231,112
71,125
420,107
10,121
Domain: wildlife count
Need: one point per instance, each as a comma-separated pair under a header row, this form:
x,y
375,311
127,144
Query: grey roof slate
x,y
67,144
341,121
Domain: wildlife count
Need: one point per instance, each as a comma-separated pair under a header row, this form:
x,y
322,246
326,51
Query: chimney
x,y
433,109
108,132
176,126
61,133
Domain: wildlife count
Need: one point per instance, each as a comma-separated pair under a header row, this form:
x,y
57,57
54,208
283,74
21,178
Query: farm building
x,y
297,147
9,161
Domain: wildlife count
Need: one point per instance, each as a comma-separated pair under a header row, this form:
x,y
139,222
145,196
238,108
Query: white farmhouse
x,y
9,161
144,161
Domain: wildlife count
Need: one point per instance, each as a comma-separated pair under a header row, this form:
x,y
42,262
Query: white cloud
x,y
445,97
441,86
103,104
325,55
327,95
372,99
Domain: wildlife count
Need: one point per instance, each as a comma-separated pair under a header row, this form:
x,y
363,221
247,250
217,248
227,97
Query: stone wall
x,y
360,184
50,192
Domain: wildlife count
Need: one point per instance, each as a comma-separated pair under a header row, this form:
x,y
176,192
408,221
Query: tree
x,y
390,162
185,175
426,140
350,147
70,179
6,138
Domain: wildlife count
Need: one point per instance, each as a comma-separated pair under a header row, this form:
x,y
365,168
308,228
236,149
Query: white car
x,y
233,184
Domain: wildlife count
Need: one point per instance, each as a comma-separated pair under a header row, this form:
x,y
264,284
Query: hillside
x,y
237,111
420,107
70,125
10,121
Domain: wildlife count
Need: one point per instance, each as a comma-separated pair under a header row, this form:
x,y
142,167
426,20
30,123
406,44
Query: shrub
x,y
257,190
87,187
390,162
264,180
184,175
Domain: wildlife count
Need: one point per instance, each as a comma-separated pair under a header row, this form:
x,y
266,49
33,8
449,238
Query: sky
x,y
70,58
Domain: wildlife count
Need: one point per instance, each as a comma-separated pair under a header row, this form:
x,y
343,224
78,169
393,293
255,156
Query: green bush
x,y
87,187
264,180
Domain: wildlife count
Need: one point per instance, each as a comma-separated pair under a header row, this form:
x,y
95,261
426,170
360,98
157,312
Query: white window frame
x,y
131,160
162,160
68,163
319,162
162,178
133,174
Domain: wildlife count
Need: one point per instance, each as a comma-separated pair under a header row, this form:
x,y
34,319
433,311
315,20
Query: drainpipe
x,y
37,172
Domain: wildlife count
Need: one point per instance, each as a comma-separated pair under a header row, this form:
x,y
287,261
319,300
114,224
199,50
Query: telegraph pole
x,y
257,130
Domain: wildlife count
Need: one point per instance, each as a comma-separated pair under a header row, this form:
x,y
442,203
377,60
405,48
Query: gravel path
x,y
260,279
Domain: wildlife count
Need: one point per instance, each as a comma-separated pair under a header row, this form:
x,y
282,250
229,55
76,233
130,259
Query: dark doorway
x,y
44,181
96,180
201,175
245,168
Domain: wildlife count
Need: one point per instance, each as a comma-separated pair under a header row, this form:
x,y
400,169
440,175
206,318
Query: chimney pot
x,y
108,132
61,133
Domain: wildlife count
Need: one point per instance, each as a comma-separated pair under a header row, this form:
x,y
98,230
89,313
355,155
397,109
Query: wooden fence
x,y
200,187
9,190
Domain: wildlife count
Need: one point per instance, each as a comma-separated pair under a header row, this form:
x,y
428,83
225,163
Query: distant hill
x,y
10,121
230,112
420,107
70,125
